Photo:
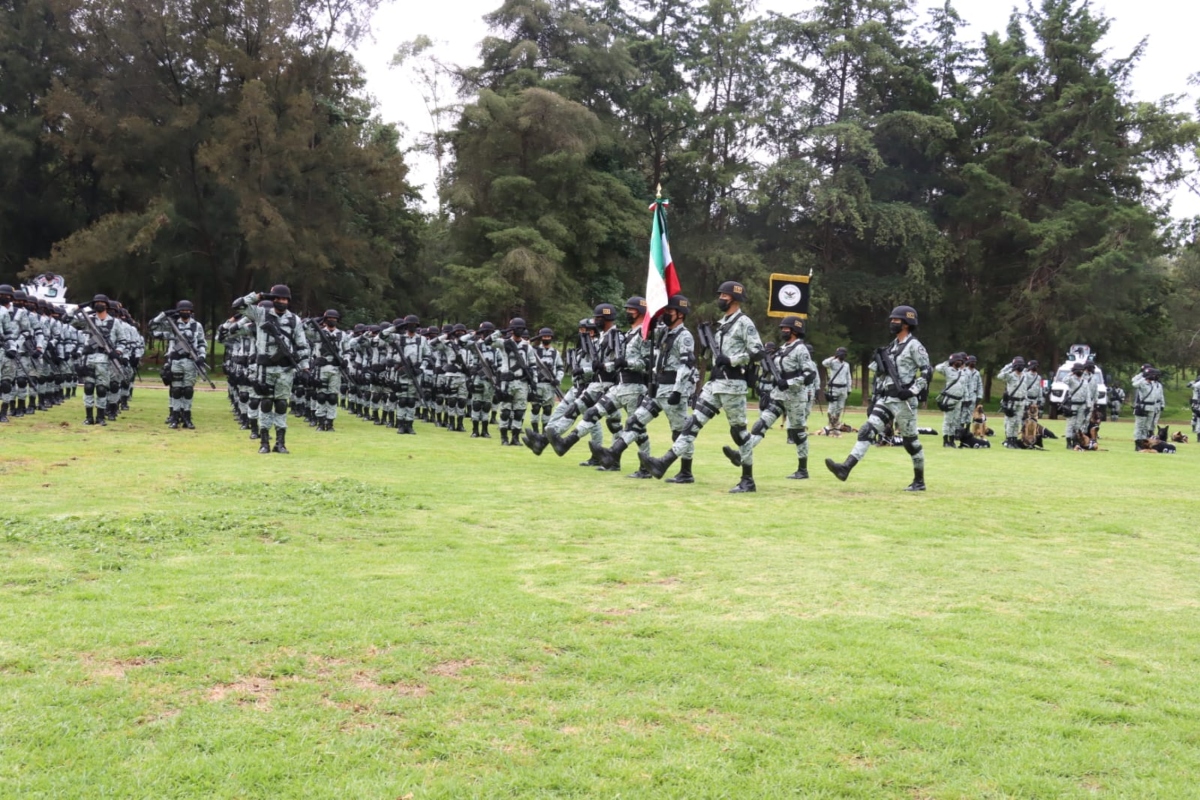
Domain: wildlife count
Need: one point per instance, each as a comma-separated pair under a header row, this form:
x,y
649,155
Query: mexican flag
x,y
661,280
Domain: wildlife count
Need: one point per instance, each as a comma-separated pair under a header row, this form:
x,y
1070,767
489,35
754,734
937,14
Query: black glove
x,y
36,355
11,354
620,363
722,361
674,398
905,394
781,384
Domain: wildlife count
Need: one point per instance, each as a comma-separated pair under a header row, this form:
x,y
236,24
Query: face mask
x,y
895,327
280,308
101,308
631,318
723,304
185,315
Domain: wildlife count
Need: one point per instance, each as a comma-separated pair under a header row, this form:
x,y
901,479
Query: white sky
x,y
457,27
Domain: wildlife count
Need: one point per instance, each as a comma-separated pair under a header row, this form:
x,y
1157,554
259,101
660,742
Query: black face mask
x,y
723,304
185,315
280,308
329,323
631,318
895,327
100,308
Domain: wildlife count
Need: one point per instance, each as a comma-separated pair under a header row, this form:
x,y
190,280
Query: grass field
x,y
378,616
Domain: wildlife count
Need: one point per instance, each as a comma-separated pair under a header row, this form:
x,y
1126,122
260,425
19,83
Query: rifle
x,y
549,376
512,348
191,351
272,328
708,340
101,339
486,368
409,369
588,345
884,359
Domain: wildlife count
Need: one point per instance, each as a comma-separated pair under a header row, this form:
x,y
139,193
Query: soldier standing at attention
x,y
902,372
514,361
282,349
183,370
1195,387
541,402
1014,401
1074,405
1148,402
951,399
838,389
329,358
737,344
9,336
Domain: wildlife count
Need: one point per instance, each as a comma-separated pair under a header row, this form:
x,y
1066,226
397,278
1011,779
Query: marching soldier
x,y
902,374
514,357
541,400
582,377
674,381
736,344
182,349
795,373
282,349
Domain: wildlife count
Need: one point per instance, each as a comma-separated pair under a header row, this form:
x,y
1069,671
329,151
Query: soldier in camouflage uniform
x,y
790,395
482,360
1148,403
411,351
841,377
541,401
100,358
180,367
631,362
737,346
1195,387
328,344
1015,399
675,357
10,338
582,378
1074,405
514,361
902,374
282,349
951,398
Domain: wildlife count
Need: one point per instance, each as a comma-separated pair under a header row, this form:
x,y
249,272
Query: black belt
x,y
729,373
276,360
837,386
638,378
787,376
666,377
606,377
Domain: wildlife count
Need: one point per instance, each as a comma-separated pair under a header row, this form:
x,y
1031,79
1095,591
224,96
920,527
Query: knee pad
x,y
6,386
691,427
607,405
633,425
593,414
113,386
643,438
243,397
738,434
572,412
331,398
911,445
707,409
462,404
252,404
867,432
22,383
546,410
884,415
651,405
614,423
176,393
760,428
798,435
518,417
477,406
101,390
280,406
505,414
188,392
89,389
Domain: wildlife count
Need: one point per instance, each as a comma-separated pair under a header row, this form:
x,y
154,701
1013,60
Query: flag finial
x,y
658,192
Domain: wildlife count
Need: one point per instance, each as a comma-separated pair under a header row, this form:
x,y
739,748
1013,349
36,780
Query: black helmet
x,y
183,305
332,313
972,359
733,289
100,298
460,328
1019,362
841,352
398,322
1033,363
279,291
588,322
1077,366
359,327
604,311
906,314
486,327
637,303
794,324
412,320
546,332
678,302
447,328
957,357
261,303
6,290
1090,366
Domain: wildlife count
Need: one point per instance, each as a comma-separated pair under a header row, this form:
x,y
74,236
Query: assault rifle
x,y
486,368
545,372
101,339
512,348
330,346
191,351
272,328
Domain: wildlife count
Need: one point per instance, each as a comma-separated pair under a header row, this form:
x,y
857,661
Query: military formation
x,y
395,374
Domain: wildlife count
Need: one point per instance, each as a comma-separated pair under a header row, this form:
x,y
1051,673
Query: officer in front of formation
x,y
282,349
902,373
180,370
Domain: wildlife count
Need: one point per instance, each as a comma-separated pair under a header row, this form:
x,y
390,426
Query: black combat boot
x,y
641,474
458,425
91,419
947,441
504,437
562,445
734,456
19,408
173,419
685,472
375,417
607,457
746,484
280,435
493,419
801,473
841,471
536,442
112,411
101,417
243,422
918,484
253,428
264,437
4,412
474,429
187,420
657,467
483,430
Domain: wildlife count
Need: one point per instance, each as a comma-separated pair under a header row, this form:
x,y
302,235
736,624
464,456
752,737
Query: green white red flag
x,y
661,278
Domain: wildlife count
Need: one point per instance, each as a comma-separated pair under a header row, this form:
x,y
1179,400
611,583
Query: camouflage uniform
x,y
951,398
1015,399
541,401
840,375
180,367
9,342
790,396
275,370
1075,407
1195,387
1148,403
515,381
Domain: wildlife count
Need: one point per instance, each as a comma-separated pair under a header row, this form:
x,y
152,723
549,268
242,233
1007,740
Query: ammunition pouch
x,y
729,373
276,360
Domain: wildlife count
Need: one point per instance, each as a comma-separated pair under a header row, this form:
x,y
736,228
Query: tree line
x,y
1011,188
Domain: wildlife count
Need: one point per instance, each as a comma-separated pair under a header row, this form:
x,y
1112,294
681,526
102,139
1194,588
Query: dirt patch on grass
x,y
111,668
364,681
253,692
452,669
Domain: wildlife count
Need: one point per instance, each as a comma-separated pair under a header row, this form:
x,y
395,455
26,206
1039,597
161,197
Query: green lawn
x,y
383,616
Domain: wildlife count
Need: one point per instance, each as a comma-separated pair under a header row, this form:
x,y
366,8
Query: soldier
x,y
582,377
1116,396
1195,387
951,398
541,400
1033,395
840,378
791,394
282,349
673,377
101,357
182,349
328,363
1148,403
736,345
411,351
902,374
1015,399
514,358
1074,405
10,336
631,361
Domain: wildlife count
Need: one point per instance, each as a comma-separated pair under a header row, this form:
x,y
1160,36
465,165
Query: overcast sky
x,y
457,26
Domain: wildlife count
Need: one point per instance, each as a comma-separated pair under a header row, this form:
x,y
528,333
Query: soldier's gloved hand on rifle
x,y
620,362
905,394
782,384
12,354
673,398
810,378
722,361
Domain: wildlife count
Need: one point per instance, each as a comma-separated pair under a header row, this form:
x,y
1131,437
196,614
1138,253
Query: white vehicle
x,y
1056,392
